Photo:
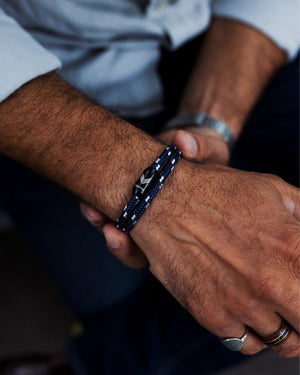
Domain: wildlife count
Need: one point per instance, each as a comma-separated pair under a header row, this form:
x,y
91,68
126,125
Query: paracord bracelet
x,y
142,185
147,186
201,119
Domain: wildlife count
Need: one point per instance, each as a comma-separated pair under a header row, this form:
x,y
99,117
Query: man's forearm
x,y
234,65
51,128
199,239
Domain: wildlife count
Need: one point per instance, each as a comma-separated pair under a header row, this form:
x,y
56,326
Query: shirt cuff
x,y
21,57
277,19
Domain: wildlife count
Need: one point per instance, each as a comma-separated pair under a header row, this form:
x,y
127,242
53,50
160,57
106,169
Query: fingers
x,y
96,218
250,344
289,309
199,147
237,336
281,338
120,244
253,344
289,347
123,247
266,326
253,341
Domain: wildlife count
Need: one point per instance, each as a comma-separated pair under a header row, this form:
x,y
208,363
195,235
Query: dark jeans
x,y
133,326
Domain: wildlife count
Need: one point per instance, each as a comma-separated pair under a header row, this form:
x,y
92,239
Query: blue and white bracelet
x,y
147,186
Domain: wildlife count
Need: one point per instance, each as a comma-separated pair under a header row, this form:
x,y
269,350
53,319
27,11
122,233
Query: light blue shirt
x,y
109,49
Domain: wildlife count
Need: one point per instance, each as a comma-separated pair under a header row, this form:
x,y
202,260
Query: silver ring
x,y
234,343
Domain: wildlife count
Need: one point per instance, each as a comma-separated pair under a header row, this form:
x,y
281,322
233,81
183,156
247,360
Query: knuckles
x,y
272,289
274,279
274,180
294,256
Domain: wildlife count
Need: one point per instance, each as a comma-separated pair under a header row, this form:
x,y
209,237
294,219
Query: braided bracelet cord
x,y
152,193
143,184
139,203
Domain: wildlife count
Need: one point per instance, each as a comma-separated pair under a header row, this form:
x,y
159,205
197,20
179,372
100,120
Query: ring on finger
x,y
280,335
234,343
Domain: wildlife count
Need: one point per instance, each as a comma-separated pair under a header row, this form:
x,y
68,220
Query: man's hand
x,y
229,75
226,281
225,243
202,253
197,144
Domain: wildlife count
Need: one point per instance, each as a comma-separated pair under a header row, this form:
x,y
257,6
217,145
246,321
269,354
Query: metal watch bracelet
x,y
201,119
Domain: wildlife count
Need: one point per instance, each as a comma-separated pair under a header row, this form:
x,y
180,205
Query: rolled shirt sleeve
x,y
278,19
21,57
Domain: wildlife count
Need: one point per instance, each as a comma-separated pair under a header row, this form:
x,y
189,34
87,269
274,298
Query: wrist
x,y
147,187
216,106
169,202
234,64
115,178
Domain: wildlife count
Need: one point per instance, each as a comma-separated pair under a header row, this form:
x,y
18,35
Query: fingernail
x,y
192,145
92,216
112,242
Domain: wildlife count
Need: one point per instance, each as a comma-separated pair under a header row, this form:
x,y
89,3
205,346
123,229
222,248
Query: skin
x,y
226,81
222,241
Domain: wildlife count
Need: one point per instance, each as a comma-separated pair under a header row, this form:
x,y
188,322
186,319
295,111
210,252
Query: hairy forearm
x,y
234,65
51,128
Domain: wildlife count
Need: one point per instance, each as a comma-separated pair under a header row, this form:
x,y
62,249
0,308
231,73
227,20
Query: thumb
x,y
187,143
201,147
